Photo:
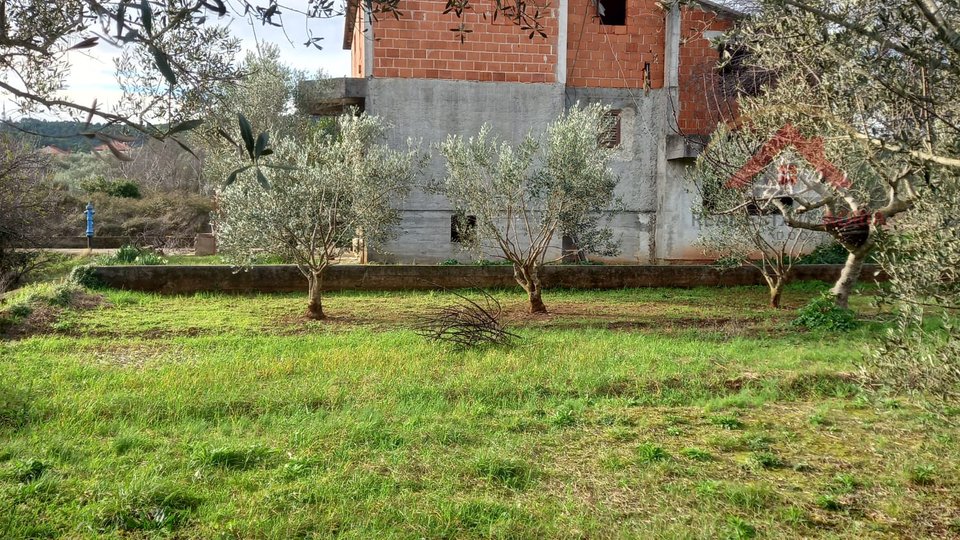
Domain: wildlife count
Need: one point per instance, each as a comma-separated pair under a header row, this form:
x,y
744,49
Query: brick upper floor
x,y
581,49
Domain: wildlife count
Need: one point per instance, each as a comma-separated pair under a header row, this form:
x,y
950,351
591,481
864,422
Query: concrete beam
x,y
331,96
671,68
685,146
560,70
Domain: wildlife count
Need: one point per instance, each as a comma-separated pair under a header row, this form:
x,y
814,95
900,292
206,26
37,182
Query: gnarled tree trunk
x,y
529,278
850,274
775,283
315,307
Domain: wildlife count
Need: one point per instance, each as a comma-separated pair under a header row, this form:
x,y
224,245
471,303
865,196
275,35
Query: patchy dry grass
x,y
655,413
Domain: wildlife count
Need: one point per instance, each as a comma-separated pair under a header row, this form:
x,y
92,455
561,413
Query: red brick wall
x,y
593,50
421,45
701,106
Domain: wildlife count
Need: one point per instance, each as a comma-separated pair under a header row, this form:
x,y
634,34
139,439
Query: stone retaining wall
x,y
98,242
282,278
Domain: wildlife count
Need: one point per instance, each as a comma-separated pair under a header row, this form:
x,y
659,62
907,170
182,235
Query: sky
x,y
92,72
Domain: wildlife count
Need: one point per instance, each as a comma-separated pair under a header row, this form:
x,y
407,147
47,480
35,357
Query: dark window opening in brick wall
x,y
612,12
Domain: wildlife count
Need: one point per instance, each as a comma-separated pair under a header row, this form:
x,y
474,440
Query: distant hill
x,y
58,133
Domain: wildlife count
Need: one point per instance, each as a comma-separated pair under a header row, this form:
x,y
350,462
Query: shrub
x,y
738,528
17,266
829,253
84,276
922,475
696,454
149,258
130,254
126,254
20,311
829,502
727,422
62,295
123,189
823,313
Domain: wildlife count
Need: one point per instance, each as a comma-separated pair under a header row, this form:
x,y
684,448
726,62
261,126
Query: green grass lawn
x,y
637,414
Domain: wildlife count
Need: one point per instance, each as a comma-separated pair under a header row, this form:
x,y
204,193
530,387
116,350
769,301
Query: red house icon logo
x,y
811,149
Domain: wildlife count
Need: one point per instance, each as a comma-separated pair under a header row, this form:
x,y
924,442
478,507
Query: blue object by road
x,y
90,212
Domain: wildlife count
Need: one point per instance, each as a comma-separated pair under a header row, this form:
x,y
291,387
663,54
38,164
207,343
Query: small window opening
x,y
572,254
610,137
461,227
612,12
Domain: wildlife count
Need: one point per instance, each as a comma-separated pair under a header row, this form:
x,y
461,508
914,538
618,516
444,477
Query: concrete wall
x,y
431,109
193,279
676,230
638,162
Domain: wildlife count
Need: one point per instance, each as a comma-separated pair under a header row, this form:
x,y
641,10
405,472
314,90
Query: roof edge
x,y
349,23
724,9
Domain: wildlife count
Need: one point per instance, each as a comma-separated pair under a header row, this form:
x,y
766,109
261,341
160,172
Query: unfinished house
x,y
648,61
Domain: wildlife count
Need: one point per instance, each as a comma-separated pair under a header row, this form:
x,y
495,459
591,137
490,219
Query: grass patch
x,y
232,458
697,454
511,473
651,453
148,507
621,414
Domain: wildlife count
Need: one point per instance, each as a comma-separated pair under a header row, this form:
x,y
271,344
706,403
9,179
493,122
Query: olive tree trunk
x,y
775,284
529,278
315,295
850,274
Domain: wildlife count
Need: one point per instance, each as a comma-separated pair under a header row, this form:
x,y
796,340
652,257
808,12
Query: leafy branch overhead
x,y
176,56
255,149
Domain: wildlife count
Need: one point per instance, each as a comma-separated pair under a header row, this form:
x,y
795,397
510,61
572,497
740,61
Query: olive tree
x,y
266,97
749,234
25,199
863,93
878,84
922,258
525,196
842,188
325,190
743,226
